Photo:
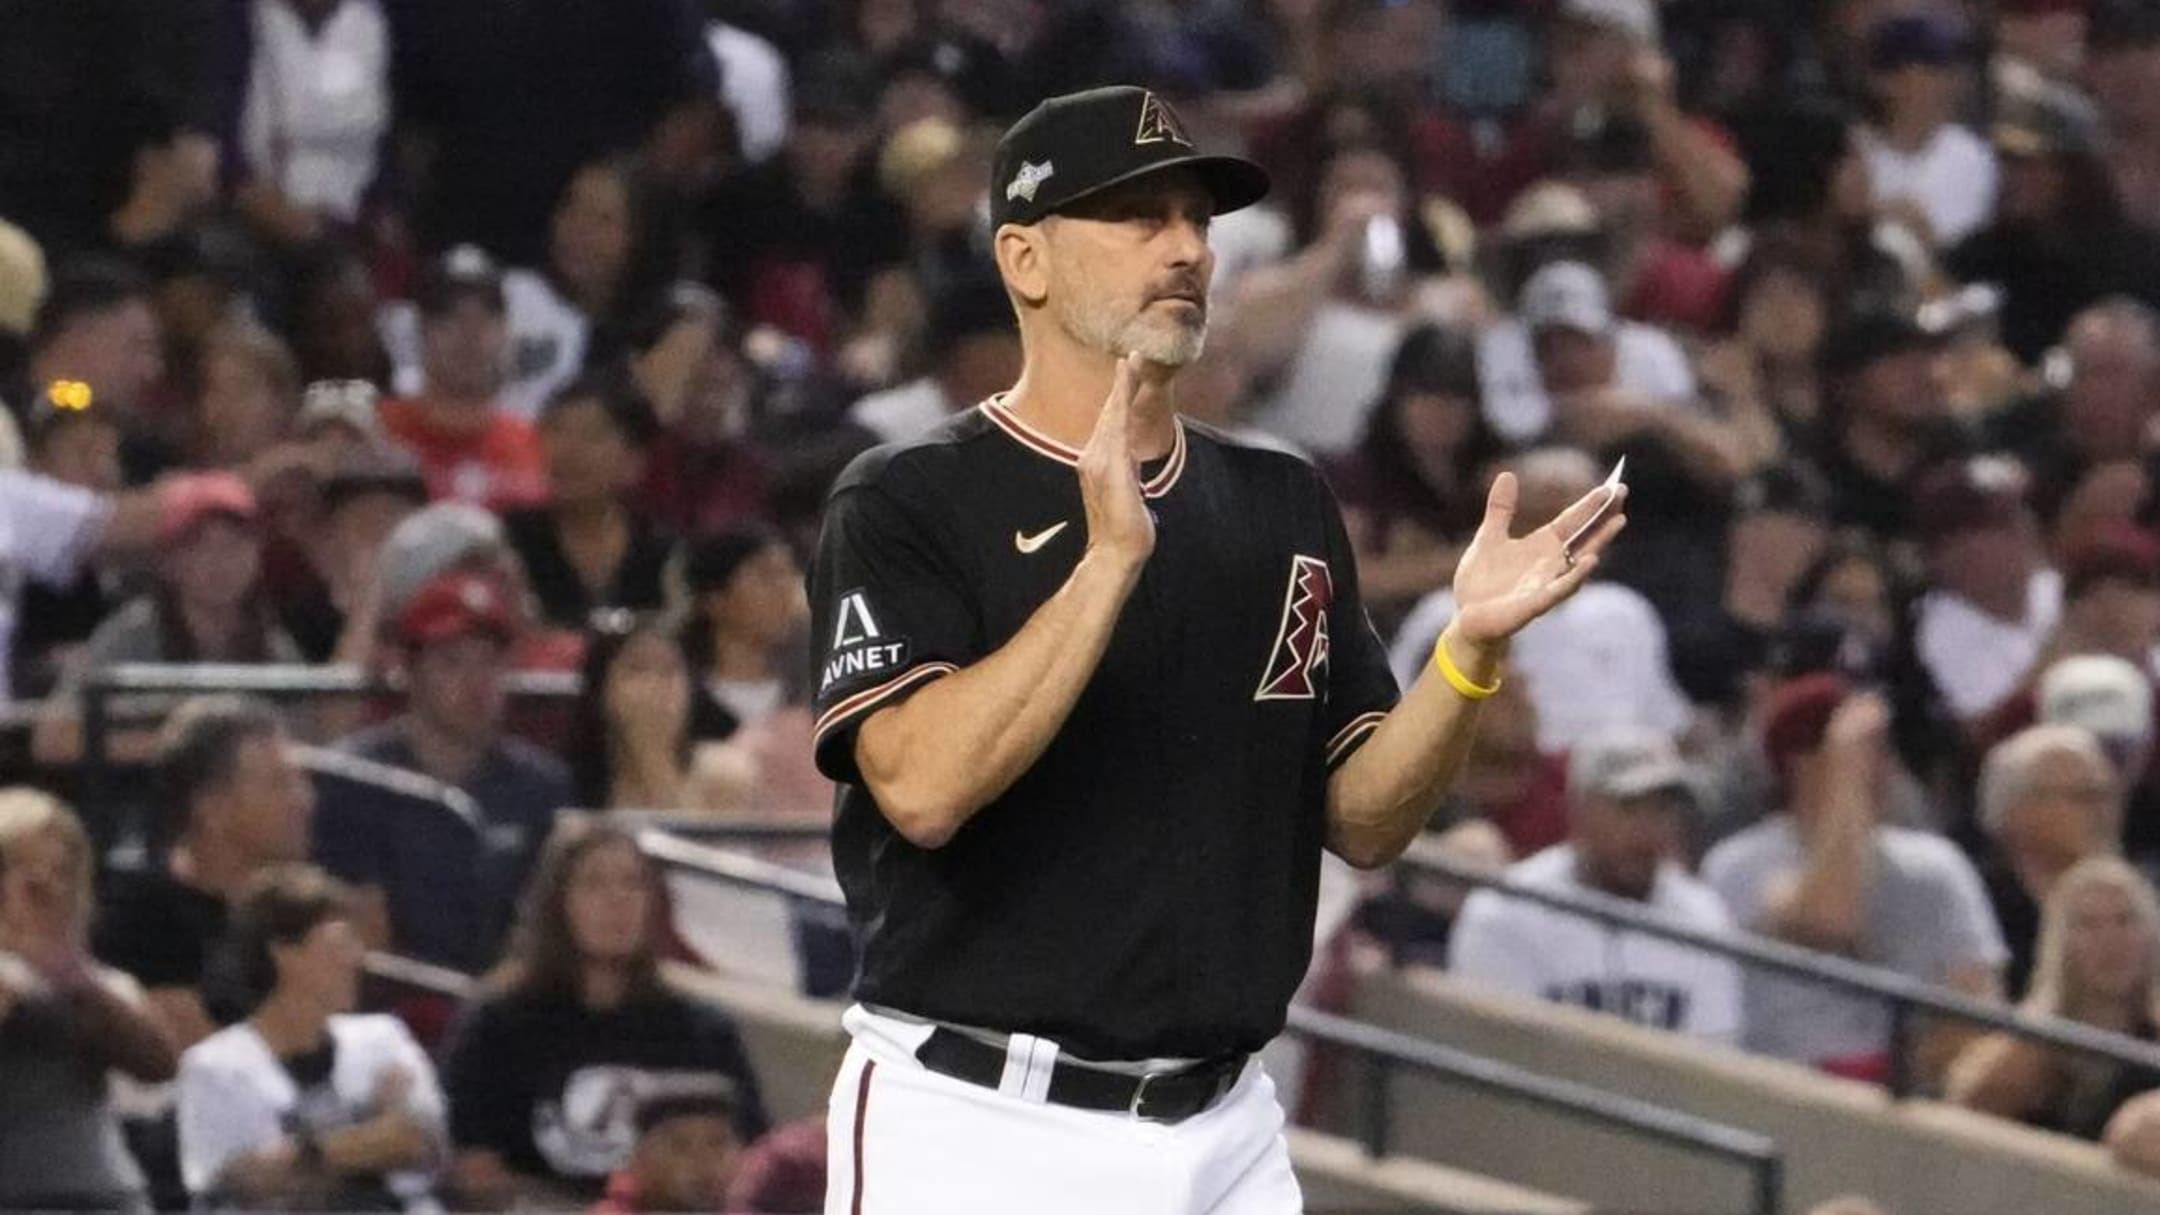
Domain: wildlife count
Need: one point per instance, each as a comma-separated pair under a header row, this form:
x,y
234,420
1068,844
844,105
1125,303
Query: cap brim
x,y
1232,181
1652,778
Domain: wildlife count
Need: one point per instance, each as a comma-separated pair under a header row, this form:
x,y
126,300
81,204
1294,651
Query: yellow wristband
x,y
1468,688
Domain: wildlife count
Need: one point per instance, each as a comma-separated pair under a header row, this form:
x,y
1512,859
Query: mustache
x,y
1191,289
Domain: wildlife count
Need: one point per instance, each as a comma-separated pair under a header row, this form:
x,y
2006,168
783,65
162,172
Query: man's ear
x,y
1023,257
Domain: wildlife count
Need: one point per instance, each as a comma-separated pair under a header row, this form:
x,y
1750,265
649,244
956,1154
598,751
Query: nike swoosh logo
x,y
1028,544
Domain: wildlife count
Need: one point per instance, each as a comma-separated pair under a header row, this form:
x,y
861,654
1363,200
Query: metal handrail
x,y
1758,1154
1386,1050
280,680
1903,994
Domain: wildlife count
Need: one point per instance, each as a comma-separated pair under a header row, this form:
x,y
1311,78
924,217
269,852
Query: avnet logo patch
x,y
859,646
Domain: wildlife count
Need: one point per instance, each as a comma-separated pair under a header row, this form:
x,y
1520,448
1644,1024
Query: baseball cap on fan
x,y
1566,295
1081,144
1623,762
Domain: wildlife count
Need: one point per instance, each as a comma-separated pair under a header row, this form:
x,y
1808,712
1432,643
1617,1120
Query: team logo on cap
x,y
1158,123
1025,182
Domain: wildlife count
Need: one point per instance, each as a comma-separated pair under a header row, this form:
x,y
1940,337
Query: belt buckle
x,y
1139,1099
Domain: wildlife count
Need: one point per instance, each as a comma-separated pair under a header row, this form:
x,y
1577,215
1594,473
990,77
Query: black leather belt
x,y
1168,1097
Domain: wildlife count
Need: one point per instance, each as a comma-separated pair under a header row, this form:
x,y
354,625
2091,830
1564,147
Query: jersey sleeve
x,y
1361,686
889,614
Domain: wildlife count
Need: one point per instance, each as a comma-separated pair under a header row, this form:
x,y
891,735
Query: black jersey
x,y
1147,888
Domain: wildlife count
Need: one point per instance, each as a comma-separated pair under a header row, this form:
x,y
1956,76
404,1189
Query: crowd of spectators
x,y
460,341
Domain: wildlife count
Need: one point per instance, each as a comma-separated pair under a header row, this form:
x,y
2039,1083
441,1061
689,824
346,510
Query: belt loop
x,y
1028,1064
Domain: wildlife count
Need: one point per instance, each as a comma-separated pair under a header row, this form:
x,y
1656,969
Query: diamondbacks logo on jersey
x,y
1297,664
859,646
1159,122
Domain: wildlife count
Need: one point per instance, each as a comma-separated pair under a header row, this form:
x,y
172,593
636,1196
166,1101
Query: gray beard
x,y
1162,342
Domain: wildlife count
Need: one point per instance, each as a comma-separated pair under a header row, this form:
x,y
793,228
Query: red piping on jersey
x,y
862,1115
1042,444
869,696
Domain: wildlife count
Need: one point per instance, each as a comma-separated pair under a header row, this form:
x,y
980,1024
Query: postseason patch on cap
x,y
1076,145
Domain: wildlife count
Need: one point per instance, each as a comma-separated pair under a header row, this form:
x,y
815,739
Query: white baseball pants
x,y
903,1140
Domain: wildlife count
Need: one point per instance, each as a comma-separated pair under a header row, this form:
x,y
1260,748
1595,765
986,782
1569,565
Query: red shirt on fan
x,y
497,464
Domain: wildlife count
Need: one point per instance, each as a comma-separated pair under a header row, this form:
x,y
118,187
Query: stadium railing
x,y
1907,999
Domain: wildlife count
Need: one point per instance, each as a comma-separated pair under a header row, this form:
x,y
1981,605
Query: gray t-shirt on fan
x,y
1927,915
60,1141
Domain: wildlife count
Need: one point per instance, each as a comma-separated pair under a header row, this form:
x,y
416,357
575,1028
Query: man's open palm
x,y
1504,582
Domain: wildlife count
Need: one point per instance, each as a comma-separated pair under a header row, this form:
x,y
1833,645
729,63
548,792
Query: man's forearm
x,y
1383,795
956,745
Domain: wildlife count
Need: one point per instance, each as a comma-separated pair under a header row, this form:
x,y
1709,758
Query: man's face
x,y
215,565
464,349
2068,814
2110,394
1129,269
457,687
120,353
686,1163
1987,565
266,802
590,236
2111,952
1572,360
1904,388
588,459
1620,842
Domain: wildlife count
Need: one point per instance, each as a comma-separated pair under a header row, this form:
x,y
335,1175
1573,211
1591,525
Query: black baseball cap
x,y
1080,144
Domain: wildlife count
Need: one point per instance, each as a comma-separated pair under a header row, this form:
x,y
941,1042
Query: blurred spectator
x,y
1927,171
2108,697
972,353
314,110
588,549
448,882
2099,400
171,184
2099,965
507,99
545,1073
2105,499
1780,303
2122,65
234,804
1778,530
2060,239
2048,798
795,241
1884,417
206,604
249,395
708,472
686,1155
305,1104
746,617
1600,659
636,721
66,1023
1826,873
2047,36
2111,597
1658,280
753,87
97,327
1412,491
334,331
471,449
1565,345
329,595
1321,325
1628,797
78,447
1993,601
568,313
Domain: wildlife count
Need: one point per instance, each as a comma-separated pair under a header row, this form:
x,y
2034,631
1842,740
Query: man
x,y
1827,874
1628,794
97,327
1924,167
1993,601
1153,677
78,447
2048,799
1885,416
470,449
2103,388
448,861
238,804
687,1151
